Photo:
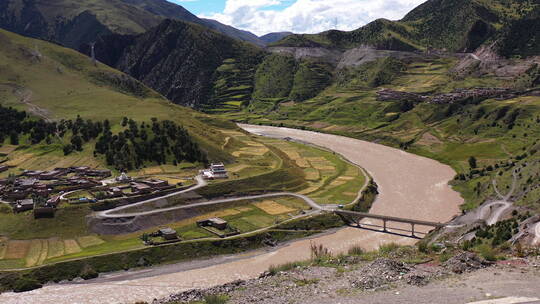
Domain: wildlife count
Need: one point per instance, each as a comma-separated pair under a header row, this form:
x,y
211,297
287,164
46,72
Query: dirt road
x,y
306,199
410,186
114,213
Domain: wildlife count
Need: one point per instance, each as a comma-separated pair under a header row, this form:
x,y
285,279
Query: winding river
x,y
410,187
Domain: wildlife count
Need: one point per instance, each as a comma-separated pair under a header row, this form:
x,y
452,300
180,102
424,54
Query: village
x,y
43,191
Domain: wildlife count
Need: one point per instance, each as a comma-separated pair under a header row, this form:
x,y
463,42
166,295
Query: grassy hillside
x,y
274,77
75,22
54,83
501,134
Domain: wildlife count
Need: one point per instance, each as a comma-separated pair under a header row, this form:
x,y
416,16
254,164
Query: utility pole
x,y
93,53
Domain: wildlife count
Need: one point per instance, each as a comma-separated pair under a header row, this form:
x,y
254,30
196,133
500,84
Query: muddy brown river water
x,y
410,187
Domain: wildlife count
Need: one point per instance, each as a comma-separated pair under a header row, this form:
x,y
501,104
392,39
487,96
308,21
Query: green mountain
x,y
55,85
177,59
454,25
275,37
170,10
73,23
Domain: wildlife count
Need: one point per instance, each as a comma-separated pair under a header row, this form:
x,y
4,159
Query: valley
x,y
393,200
150,155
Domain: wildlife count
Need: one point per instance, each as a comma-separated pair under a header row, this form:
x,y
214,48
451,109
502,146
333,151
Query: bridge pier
x,y
412,228
384,225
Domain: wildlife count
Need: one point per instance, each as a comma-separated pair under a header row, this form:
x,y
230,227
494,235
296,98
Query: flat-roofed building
x,y
216,171
215,222
168,234
23,205
140,188
49,175
156,183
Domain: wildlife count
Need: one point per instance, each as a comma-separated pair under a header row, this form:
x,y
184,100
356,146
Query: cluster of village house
x,y
22,190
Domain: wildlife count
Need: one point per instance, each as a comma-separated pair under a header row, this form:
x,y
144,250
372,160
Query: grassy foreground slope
x,y
54,83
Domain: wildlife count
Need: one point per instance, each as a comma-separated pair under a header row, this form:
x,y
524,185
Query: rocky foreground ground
x,y
463,278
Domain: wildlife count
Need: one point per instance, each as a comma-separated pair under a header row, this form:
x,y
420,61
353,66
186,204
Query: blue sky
x,y
299,16
202,6
208,7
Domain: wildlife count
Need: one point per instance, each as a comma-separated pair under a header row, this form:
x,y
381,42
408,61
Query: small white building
x,y
216,171
123,178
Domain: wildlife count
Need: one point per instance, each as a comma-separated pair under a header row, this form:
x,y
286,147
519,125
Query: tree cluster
x,y
14,123
159,142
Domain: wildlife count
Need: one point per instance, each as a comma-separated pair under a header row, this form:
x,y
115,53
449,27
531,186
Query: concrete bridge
x,y
353,218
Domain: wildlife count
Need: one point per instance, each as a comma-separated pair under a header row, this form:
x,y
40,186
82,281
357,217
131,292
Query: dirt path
x,y
537,234
25,96
493,211
410,186
306,199
107,213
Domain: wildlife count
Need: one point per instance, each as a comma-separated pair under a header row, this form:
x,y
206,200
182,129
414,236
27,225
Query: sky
x,y
298,16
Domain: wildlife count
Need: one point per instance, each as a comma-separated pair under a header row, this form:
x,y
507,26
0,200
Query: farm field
x,y
30,243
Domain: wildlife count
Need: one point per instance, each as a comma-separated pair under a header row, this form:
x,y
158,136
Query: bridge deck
x,y
388,218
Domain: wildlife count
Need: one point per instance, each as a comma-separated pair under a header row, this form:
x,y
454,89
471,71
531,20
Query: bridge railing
x,y
389,218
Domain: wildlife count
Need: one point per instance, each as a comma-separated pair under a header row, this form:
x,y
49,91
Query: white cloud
x,y
309,16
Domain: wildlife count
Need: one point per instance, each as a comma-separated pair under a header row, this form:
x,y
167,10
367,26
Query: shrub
x,y
445,256
356,250
388,248
472,162
487,252
216,299
89,273
423,247
25,284
5,209
274,77
319,253
275,269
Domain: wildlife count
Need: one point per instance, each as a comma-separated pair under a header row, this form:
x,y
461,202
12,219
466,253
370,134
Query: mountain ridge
x,y
72,24
453,26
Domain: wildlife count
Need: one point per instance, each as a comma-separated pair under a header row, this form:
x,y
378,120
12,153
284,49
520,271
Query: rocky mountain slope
x,y
73,23
176,58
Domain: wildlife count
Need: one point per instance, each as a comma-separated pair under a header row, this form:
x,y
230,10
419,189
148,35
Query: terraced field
x,y
325,177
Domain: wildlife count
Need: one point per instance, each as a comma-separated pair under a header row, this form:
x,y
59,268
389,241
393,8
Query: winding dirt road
x,y
410,186
306,199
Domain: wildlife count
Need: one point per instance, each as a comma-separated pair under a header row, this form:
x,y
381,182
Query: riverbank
x,y
391,275
409,185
